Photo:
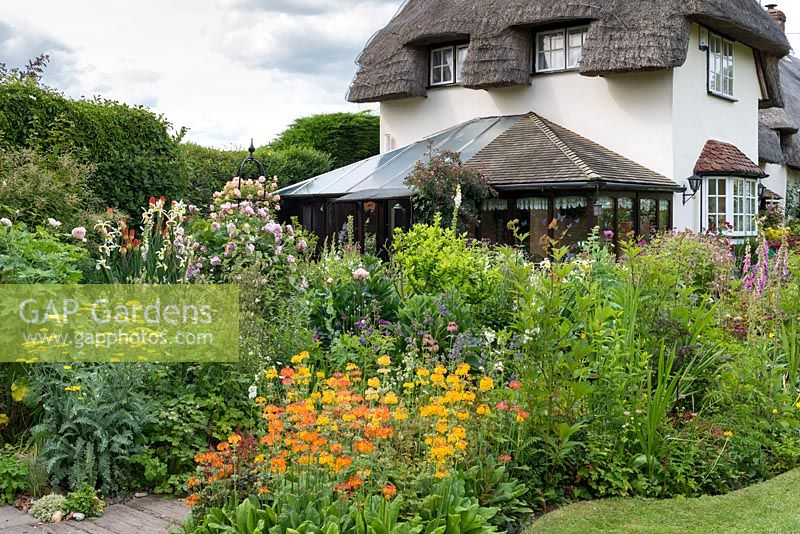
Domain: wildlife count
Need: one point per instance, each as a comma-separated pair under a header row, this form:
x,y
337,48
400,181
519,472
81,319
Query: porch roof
x,y
516,151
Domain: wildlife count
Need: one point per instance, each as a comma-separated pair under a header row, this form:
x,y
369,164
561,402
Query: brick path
x,y
148,515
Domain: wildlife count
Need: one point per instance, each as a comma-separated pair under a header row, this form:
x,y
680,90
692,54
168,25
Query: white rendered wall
x,y
659,119
778,180
630,114
699,117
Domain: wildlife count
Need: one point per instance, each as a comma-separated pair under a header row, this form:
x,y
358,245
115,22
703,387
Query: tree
x,y
347,137
438,183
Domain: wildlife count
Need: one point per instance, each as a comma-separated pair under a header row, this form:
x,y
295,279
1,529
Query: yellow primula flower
x,y
408,385
423,372
486,384
18,391
374,382
390,398
384,361
3,419
483,409
271,373
463,369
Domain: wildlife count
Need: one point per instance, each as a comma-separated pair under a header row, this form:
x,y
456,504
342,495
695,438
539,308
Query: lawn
x,y
773,506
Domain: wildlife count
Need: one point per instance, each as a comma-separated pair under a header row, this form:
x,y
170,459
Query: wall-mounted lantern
x,y
694,184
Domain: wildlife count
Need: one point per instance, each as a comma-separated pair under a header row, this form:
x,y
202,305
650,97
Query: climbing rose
x,y
54,223
5,221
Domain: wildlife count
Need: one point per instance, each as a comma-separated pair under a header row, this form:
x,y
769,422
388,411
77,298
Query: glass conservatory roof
x,y
388,171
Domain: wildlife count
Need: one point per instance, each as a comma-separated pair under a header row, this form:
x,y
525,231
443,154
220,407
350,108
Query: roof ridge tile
x,y
564,147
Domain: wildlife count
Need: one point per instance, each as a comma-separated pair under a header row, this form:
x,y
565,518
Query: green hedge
x,y
210,168
133,152
347,137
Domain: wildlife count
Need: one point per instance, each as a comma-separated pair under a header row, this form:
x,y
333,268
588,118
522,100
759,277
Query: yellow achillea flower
x,y
72,388
408,386
3,419
728,434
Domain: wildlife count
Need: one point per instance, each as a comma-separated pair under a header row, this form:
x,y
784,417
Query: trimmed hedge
x,y
347,137
133,152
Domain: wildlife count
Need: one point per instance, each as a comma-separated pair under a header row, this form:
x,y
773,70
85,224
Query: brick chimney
x,y
777,15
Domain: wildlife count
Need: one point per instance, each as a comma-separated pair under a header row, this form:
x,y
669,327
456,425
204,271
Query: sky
x,y
227,70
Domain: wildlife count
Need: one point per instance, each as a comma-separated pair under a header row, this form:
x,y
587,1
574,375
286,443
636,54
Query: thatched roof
x,y
624,36
779,140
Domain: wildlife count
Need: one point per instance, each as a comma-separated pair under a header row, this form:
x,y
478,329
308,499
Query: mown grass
x,y
773,506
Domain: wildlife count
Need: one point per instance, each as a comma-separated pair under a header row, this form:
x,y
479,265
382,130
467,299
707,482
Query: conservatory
x,y
550,180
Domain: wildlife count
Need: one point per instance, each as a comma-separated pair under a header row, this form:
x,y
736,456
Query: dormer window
x,y
720,66
560,49
447,63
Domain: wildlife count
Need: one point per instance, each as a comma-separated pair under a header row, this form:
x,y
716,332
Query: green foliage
x,y
38,257
208,170
44,508
13,475
444,186
347,137
92,417
447,508
131,148
84,501
295,163
34,187
435,260
340,304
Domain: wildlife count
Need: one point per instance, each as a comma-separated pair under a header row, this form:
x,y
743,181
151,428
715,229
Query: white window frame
x,y
721,66
741,205
565,49
458,54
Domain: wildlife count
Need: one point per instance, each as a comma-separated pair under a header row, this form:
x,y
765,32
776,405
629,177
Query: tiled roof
x,y
718,158
536,151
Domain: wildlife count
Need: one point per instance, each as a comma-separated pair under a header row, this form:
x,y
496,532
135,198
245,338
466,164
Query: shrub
x,y
38,257
44,508
34,188
347,137
444,187
435,260
13,475
84,501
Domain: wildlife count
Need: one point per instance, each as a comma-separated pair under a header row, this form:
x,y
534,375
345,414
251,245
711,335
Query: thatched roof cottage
x,y
634,116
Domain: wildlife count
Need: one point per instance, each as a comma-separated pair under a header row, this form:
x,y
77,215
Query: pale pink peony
x,y
360,274
79,233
